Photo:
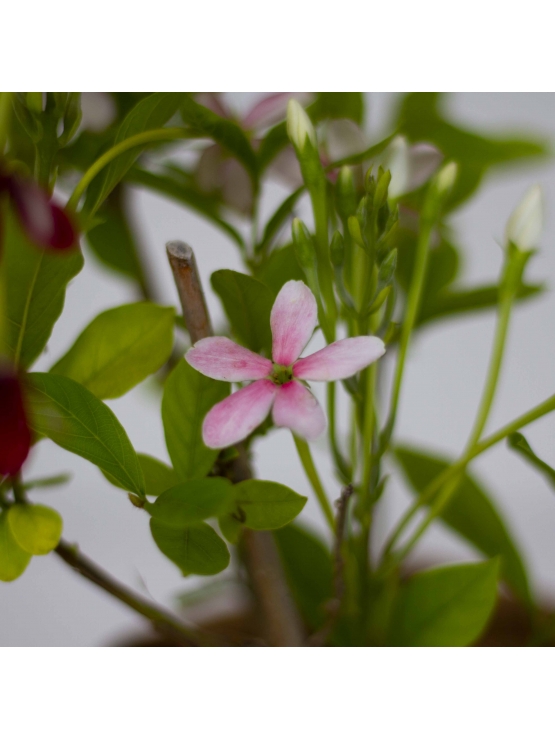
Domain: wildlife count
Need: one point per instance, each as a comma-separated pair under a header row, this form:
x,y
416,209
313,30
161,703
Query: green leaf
x,y
471,513
120,348
13,560
443,264
230,527
451,303
366,154
53,480
335,105
279,268
264,504
158,476
518,442
421,119
197,549
445,607
150,113
228,134
192,502
278,219
37,529
169,183
113,241
188,397
247,303
36,281
308,569
75,419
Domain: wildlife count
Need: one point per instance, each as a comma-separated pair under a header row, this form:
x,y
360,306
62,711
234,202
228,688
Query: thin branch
x,y
333,606
163,621
283,624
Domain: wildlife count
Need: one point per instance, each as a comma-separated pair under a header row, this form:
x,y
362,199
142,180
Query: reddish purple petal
x,y
296,408
340,359
272,109
45,222
222,359
234,418
293,319
15,437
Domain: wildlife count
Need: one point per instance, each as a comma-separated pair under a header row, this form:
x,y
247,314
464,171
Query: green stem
x,y
312,475
413,306
459,466
146,137
493,370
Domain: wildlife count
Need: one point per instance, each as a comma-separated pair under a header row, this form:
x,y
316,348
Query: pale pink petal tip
x,y
293,319
234,418
340,359
222,359
296,408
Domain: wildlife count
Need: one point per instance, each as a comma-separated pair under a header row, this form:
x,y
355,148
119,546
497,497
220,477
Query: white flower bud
x,y
299,125
525,224
445,178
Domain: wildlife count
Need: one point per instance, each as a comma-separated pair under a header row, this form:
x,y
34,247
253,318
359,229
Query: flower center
x,y
281,374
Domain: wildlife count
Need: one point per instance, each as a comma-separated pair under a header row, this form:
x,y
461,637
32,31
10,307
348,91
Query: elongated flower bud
x,y
304,246
299,126
15,437
525,224
445,178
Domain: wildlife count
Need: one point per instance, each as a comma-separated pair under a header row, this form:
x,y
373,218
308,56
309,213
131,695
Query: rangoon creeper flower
x,y
278,385
15,436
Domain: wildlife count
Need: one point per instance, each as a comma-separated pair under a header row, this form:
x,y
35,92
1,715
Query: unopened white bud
x,y
399,165
299,125
525,224
446,177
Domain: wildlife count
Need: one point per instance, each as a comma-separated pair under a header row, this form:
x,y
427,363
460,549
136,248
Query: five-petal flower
x,y
277,385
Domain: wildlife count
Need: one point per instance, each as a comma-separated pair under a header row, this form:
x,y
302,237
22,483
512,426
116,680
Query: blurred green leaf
x,y
36,281
113,241
471,513
37,529
149,113
518,442
443,264
445,607
451,303
230,527
188,397
420,118
119,348
247,303
228,134
13,560
308,568
332,105
192,502
266,505
278,219
279,268
158,476
75,419
172,184
197,549
54,480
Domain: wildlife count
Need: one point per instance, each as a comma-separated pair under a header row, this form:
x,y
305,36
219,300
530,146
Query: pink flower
x,y
277,385
15,436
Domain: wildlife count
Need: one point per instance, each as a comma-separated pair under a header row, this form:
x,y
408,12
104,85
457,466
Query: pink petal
x,y
340,359
234,418
15,437
272,109
222,359
293,319
296,408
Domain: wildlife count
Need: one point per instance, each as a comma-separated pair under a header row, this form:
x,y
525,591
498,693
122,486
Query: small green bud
x,y
303,244
71,117
136,501
337,250
299,126
380,195
369,183
387,269
355,232
346,193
